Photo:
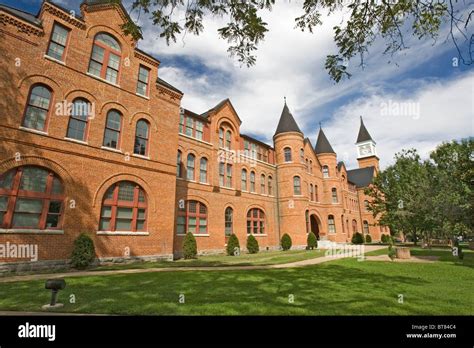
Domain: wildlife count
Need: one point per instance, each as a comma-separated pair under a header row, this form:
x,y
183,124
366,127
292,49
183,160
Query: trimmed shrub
x,y
368,238
383,238
392,253
252,244
311,241
189,246
233,246
357,238
286,242
83,253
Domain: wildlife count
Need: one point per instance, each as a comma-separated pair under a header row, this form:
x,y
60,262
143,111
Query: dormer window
x,y
105,58
143,81
58,41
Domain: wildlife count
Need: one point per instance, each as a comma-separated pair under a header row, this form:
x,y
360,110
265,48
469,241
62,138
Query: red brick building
x,y
93,141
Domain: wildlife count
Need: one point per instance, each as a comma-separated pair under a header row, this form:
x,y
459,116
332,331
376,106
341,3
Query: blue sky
x,y
291,63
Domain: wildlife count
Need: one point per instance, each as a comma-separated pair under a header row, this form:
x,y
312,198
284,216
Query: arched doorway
x,y
314,225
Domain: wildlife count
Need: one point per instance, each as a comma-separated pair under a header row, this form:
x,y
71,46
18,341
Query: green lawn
x,y
260,259
340,287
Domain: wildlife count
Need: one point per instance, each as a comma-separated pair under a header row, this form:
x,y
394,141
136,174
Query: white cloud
x,y
440,111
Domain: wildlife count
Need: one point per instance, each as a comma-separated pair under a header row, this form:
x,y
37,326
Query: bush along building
x,y
93,141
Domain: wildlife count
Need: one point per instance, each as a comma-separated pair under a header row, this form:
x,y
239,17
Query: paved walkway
x,y
180,269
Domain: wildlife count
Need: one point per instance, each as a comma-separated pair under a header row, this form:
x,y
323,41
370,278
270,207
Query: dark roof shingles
x,y
361,177
322,144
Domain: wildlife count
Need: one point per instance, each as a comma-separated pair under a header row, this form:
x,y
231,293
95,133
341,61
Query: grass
x,y
340,287
259,259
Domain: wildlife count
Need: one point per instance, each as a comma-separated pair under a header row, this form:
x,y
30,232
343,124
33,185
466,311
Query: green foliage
x,y
286,242
83,253
311,241
392,253
233,245
383,238
368,238
367,22
357,238
252,244
189,246
429,199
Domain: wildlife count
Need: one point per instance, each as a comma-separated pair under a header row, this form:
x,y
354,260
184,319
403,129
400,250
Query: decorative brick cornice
x,y
172,94
60,13
23,27
105,6
146,59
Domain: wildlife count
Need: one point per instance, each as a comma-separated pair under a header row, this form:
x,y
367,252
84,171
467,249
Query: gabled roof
x,y
340,165
363,133
256,141
167,85
287,122
322,144
219,106
28,17
361,177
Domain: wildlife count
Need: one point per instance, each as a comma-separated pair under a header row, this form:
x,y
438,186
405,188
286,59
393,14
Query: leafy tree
x,y
83,253
233,245
252,244
368,238
286,242
312,241
189,246
368,20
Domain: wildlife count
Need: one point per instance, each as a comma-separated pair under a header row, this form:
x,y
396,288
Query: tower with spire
x,y
366,150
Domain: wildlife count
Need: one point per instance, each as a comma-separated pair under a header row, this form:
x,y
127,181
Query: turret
x,y
326,154
366,150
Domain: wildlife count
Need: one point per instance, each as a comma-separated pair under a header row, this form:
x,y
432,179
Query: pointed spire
x,y
322,144
363,133
287,122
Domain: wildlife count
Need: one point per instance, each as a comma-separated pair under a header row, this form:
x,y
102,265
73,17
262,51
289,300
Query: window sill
x,y
143,96
140,156
257,235
192,138
29,231
122,233
111,149
33,130
54,60
76,141
227,188
101,79
194,234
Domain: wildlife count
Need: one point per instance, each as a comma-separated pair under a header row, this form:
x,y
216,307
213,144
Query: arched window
x,y
203,170
190,167
37,108
221,137
307,166
365,224
354,226
31,197
78,120
141,138
262,184
331,224
301,155
270,186
310,166
252,181
179,164
244,180
192,218
306,216
124,208
229,216
297,185
366,205
287,152
316,198
225,174
311,192
255,221
113,128
105,58
334,195
325,172
228,137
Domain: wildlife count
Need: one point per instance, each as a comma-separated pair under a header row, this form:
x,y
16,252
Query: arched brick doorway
x,y
314,224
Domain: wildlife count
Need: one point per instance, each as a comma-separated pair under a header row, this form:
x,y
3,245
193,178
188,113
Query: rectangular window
x,y
27,213
244,180
189,126
229,175
203,171
221,174
143,80
181,123
57,44
199,130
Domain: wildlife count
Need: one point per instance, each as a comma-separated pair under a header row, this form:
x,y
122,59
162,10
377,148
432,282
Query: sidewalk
x,y
303,263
